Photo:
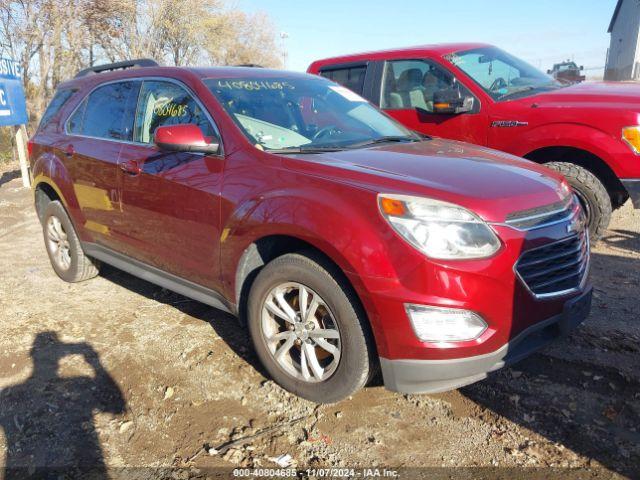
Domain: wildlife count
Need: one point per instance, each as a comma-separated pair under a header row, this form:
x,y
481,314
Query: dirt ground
x,y
116,372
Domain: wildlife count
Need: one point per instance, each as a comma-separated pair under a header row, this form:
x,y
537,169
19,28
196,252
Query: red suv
x,y
480,94
346,241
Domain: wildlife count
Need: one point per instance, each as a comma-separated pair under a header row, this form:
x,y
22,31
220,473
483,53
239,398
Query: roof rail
x,y
141,62
251,65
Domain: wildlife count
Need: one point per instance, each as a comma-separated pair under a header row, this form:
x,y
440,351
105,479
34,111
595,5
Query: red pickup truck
x,y
480,94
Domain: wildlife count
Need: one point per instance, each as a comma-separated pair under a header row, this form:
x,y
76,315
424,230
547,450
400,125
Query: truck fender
x,y
571,135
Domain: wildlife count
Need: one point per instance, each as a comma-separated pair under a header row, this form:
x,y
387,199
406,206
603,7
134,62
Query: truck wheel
x,y
308,329
63,246
592,194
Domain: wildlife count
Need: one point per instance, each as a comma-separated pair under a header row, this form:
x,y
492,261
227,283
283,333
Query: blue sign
x,y
13,108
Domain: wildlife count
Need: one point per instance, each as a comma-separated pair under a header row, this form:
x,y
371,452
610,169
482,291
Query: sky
x,y
541,32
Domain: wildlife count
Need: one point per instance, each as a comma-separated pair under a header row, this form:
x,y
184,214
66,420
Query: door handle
x,y
130,167
69,151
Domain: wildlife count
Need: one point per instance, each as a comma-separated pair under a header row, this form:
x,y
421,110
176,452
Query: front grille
x,y
541,216
557,267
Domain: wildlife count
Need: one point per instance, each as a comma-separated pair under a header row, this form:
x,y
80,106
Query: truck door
x,y
407,90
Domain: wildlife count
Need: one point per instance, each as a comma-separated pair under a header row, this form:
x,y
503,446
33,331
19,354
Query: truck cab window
x,y
352,77
408,84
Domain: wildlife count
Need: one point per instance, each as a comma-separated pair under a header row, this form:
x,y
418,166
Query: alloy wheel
x,y
301,332
58,243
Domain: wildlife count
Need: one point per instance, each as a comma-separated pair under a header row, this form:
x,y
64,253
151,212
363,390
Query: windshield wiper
x,y
321,149
385,139
304,149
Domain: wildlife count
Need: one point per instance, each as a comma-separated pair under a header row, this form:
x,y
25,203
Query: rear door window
x,y
108,112
165,103
351,77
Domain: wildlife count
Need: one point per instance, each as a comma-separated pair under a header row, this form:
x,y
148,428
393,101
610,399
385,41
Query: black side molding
x,y
159,277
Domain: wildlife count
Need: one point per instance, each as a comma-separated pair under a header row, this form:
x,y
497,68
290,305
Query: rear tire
x,y
63,245
337,325
592,193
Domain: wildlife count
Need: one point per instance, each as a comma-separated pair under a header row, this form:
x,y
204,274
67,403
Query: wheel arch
x,y
48,169
264,249
586,160
267,248
45,191
307,215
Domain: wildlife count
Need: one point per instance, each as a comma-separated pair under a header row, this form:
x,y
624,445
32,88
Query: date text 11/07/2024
x,y
364,473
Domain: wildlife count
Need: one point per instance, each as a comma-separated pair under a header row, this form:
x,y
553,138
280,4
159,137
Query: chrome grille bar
x,y
557,268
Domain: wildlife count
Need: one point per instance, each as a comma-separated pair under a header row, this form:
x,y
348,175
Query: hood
x,y
597,94
492,184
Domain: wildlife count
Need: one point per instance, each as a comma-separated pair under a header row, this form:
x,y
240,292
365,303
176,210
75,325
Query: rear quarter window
x,y
57,102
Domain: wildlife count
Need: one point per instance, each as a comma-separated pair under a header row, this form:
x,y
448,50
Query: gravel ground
x,y
116,372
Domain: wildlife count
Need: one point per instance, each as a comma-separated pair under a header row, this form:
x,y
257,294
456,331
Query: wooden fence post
x,y
21,147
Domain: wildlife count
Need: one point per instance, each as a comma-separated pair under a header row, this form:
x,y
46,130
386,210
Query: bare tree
x,y
53,39
22,35
183,26
133,31
240,38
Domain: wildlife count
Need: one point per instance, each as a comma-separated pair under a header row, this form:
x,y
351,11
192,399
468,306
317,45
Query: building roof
x,y
615,15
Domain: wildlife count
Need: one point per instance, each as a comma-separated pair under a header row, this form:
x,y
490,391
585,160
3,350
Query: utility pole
x,y
283,37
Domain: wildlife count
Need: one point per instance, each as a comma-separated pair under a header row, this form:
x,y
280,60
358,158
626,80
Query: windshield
x,y
563,67
303,114
500,74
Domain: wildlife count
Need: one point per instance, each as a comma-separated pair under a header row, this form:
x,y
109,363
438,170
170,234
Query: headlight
x,y
631,136
439,229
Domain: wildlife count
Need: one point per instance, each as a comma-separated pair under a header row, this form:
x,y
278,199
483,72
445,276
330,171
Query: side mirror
x,y
449,101
581,67
185,138
549,72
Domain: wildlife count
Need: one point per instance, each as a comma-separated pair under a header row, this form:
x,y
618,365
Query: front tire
x,y
592,193
63,245
308,328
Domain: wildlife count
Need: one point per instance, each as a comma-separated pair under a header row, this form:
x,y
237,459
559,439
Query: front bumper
x,y
633,189
432,376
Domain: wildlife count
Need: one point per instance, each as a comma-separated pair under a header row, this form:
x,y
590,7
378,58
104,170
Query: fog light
x,y
435,324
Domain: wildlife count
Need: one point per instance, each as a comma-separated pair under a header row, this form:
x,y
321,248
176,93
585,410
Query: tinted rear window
x,y
108,112
57,102
350,77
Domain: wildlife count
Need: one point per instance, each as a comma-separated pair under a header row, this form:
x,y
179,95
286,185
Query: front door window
x,y
412,84
165,103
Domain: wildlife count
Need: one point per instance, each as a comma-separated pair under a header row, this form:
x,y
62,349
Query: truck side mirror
x,y
450,102
549,72
581,67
